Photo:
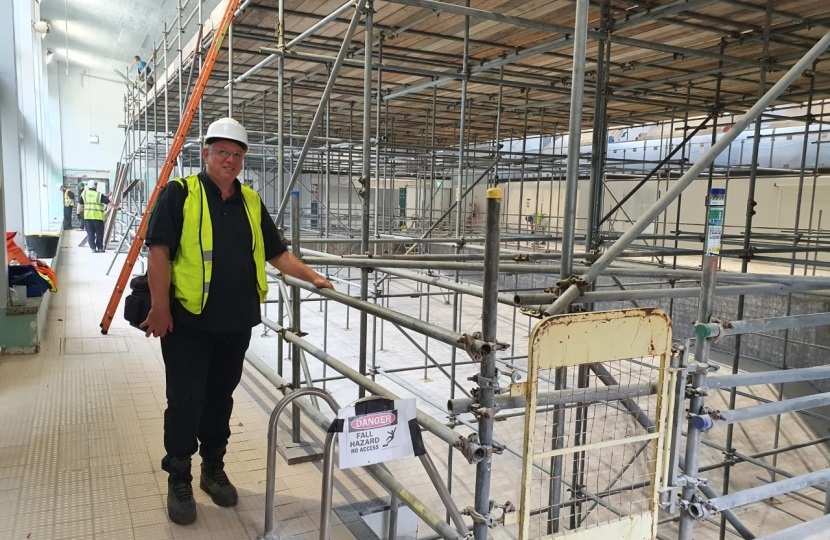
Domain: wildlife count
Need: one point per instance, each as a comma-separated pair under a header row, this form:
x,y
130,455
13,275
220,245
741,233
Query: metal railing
x,y
379,472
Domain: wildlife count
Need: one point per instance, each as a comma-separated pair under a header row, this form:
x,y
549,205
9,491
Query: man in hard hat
x,y
68,206
93,204
209,238
80,207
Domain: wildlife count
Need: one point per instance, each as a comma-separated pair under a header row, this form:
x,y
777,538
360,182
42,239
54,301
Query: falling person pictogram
x,y
391,437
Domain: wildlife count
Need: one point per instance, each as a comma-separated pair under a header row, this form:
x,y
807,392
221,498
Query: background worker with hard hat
x,y
209,237
68,206
80,207
93,204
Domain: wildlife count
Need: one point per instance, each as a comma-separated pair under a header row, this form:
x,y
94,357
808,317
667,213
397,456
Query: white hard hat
x,y
60,186
228,129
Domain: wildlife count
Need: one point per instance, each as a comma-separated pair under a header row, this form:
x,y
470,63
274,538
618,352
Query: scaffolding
x,y
525,161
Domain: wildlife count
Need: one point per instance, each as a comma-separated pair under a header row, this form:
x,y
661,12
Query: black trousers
x,y
67,217
94,233
202,370
81,220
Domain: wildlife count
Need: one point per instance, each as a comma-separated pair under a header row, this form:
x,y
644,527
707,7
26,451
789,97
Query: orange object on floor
x,y
13,251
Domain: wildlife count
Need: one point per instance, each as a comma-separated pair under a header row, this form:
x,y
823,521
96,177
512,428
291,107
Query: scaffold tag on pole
x,y
375,431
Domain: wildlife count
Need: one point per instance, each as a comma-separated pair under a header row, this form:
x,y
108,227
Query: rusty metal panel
x,y
636,527
579,338
610,453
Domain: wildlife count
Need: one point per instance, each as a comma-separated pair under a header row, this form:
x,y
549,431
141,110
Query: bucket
x,y
45,244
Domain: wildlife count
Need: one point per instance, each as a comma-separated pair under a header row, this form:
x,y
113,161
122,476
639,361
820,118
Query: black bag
x,y
27,276
137,304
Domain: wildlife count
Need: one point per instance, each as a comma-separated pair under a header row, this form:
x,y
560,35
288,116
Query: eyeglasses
x,y
225,154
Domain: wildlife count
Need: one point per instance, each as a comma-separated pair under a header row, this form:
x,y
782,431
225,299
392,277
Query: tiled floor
x,y
81,427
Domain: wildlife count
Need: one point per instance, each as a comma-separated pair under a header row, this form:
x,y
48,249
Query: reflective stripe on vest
x,y
192,268
66,200
93,207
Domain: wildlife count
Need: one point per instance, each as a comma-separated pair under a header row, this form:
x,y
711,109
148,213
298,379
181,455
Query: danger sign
x,y
373,421
375,436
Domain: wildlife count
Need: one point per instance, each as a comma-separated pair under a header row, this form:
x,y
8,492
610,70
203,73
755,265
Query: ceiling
x,y
664,61
660,50
105,34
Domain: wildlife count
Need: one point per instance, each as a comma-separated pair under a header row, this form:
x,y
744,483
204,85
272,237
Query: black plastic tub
x,y
45,245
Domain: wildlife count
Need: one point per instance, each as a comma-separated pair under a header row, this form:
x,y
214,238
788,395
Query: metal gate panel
x,y
594,466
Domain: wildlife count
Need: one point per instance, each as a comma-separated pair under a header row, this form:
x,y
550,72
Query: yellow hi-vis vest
x,y
66,200
193,266
93,207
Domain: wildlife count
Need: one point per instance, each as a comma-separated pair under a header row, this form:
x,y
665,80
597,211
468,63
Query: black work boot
x,y
181,507
215,482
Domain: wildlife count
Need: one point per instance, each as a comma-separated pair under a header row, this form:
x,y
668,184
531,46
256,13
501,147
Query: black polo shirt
x,y
233,301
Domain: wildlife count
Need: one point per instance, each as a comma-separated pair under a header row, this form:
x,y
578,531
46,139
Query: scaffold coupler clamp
x,y
499,346
470,345
685,480
592,257
495,448
700,391
706,419
486,383
508,516
478,518
697,367
296,331
677,351
362,182
565,284
696,507
512,373
484,412
669,497
723,324
531,311
470,448
477,348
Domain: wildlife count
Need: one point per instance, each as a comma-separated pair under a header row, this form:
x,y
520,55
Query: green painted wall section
x,y
18,333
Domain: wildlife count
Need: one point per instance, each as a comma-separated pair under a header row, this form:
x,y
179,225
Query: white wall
x,y
10,129
776,197
91,103
54,155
